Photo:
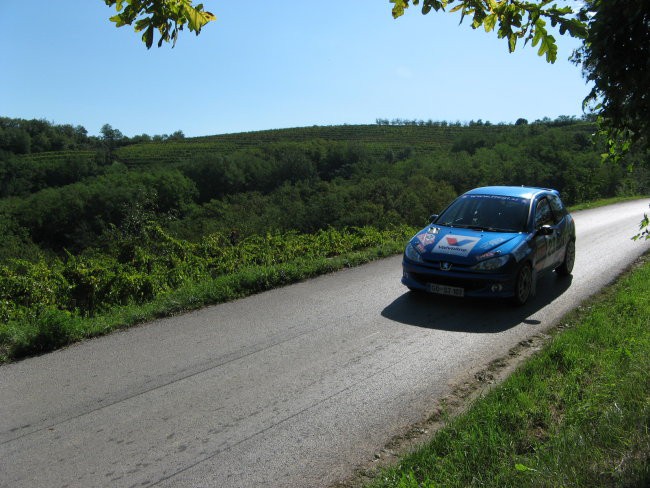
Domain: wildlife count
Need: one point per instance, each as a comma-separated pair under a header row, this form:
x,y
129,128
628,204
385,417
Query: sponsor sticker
x,y
426,238
429,239
503,198
493,243
456,245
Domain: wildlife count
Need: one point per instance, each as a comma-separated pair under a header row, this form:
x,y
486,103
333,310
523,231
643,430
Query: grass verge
x,y
602,202
49,329
576,414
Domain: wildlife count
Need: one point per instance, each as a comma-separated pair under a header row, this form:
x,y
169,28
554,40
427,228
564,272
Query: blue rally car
x,y
492,242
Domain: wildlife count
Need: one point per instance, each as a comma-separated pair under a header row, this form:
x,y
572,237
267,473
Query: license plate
x,y
453,291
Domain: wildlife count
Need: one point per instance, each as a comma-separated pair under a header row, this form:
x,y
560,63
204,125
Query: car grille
x,y
455,266
468,284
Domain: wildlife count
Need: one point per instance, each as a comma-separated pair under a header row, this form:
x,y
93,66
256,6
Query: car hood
x,y
463,246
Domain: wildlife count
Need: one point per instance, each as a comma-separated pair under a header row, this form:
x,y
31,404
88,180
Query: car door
x,y
544,243
562,232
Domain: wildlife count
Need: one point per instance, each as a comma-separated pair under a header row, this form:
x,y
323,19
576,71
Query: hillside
x,y
377,140
301,179
104,232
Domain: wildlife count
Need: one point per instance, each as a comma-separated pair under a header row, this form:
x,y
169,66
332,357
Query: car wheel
x,y
523,285
566,267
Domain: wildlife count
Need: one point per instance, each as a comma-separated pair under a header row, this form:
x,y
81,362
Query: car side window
x,y
558,209
543,214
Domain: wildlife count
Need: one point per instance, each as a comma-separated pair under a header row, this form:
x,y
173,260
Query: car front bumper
x,y
473,284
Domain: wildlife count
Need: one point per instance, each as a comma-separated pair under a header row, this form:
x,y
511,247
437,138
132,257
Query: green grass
x,y
576,414
45,329
602,202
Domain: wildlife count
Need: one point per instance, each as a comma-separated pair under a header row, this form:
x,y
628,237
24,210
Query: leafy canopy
x,y
168,17
513,19
615,57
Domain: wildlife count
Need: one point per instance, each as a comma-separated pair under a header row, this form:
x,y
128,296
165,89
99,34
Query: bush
x,y
42,331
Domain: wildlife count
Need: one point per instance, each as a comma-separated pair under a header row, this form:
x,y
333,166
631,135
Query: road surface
x,y
292,387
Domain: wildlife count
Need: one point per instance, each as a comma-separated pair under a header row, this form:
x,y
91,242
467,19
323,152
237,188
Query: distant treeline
x,y
558,122
20,136
74,200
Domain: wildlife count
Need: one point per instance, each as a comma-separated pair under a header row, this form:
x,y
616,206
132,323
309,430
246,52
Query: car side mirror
x,y
545,230
433,217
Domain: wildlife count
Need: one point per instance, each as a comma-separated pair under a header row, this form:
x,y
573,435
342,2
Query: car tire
x,y
566,268
523,285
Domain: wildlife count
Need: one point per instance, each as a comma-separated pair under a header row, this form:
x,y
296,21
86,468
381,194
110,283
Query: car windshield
x,y
494,213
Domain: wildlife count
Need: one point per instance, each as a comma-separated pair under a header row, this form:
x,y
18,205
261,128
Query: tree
x,y
615,57
110,136
111,139
167,16
513,19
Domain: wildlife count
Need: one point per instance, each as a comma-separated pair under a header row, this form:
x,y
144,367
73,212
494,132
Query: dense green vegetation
x,y
111,222
576,414
45,305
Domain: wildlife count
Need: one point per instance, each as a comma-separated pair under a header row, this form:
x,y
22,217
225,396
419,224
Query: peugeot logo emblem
x,y
445,266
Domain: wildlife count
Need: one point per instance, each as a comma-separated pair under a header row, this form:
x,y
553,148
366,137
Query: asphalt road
x,y
292,387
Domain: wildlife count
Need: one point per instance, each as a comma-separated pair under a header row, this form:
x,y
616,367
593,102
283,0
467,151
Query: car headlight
x,y
491,264
413,253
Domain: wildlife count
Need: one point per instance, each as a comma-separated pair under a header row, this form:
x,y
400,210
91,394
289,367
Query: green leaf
x,y
147,37
548,47
142,24
398,7
540,32
119,22
433,4
489,22
197,18
512,42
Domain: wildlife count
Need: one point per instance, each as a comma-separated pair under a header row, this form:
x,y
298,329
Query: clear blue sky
x,y
271,64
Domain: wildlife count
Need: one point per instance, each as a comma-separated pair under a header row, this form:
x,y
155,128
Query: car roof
x,y
511,191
